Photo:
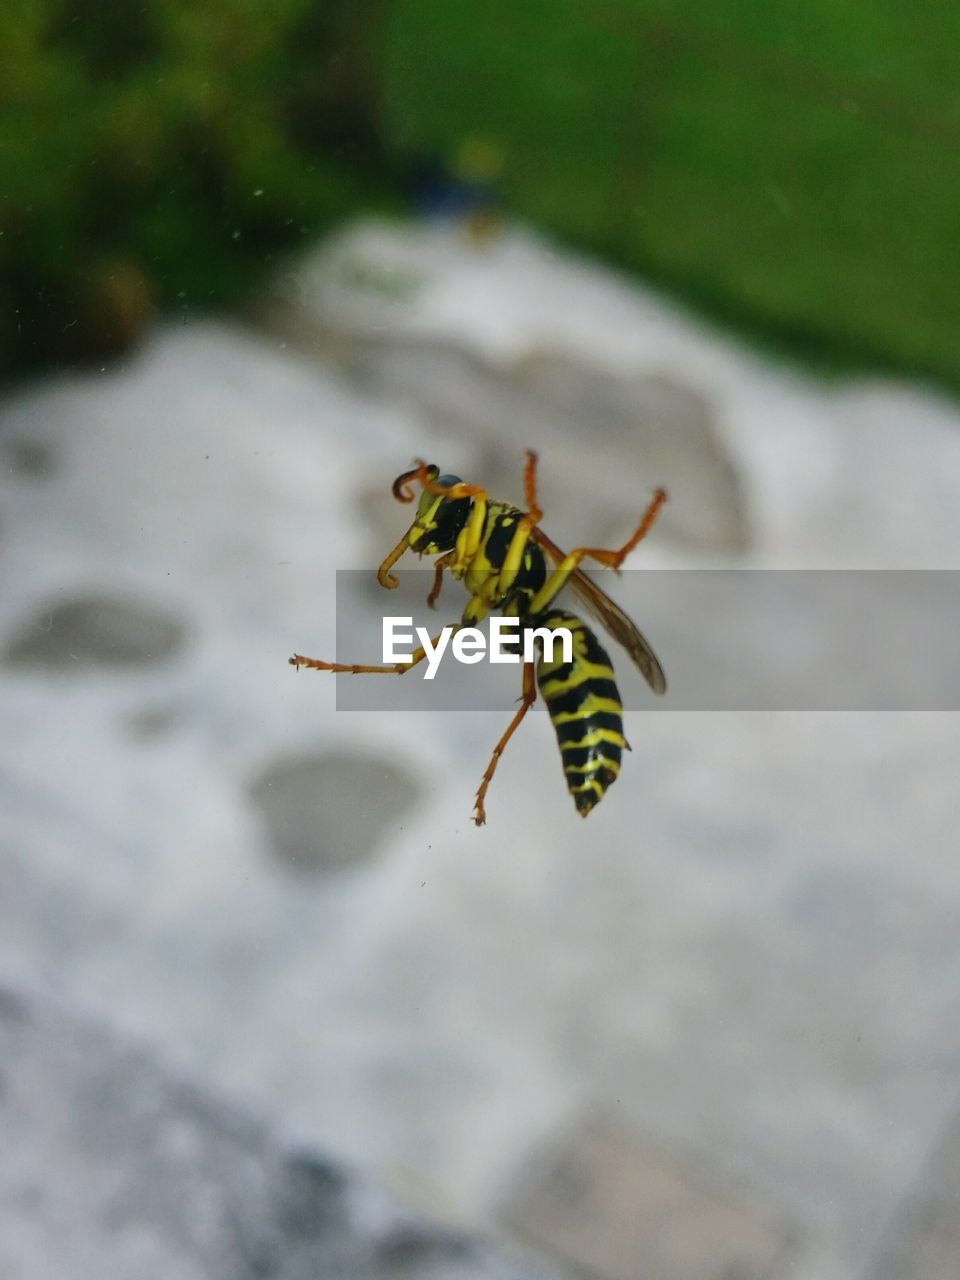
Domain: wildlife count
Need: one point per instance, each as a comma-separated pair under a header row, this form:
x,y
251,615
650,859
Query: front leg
x,y
395,669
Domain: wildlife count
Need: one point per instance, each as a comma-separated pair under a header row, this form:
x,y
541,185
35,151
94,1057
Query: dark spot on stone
x,y
309,1195
310,1169
13,1008
96,631
30,457
412,1247
330,810
259,1259
28,1198
151,722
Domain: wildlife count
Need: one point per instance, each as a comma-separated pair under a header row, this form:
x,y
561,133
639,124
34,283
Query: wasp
x,y
507,563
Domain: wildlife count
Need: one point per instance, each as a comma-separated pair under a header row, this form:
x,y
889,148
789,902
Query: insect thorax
x,y
482,575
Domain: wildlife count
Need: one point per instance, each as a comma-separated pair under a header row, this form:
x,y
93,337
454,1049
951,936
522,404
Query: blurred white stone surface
x,y
114,1165
749,953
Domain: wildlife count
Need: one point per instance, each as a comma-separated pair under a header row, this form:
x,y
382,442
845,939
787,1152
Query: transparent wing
x,y
611,617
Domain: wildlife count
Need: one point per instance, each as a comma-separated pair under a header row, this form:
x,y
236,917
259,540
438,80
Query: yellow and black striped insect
x,y
500,554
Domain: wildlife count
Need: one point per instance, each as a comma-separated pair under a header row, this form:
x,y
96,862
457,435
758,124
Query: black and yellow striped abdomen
x,y
584,705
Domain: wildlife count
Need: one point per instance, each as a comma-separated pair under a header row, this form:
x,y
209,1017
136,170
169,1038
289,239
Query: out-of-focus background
x,y
270,1005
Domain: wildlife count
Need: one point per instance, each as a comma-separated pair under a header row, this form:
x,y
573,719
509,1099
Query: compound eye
x,y
449,481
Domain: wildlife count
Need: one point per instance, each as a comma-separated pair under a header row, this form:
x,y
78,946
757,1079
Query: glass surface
x,y
684,1006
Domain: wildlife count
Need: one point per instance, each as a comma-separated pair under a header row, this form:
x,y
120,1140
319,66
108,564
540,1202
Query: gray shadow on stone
x,y
95,631
922,1242
114,1167
331,810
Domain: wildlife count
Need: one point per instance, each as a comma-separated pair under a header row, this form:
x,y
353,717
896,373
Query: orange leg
x,y
528,698
438,569
530,488
614,559
397,669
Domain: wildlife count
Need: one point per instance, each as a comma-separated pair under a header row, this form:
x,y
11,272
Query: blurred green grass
x,y
793,168
168,152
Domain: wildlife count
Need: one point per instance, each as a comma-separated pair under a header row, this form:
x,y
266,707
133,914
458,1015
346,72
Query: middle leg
x,y
513,560
612,559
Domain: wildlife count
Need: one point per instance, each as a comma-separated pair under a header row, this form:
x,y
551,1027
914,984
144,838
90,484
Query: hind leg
x,y
527,699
